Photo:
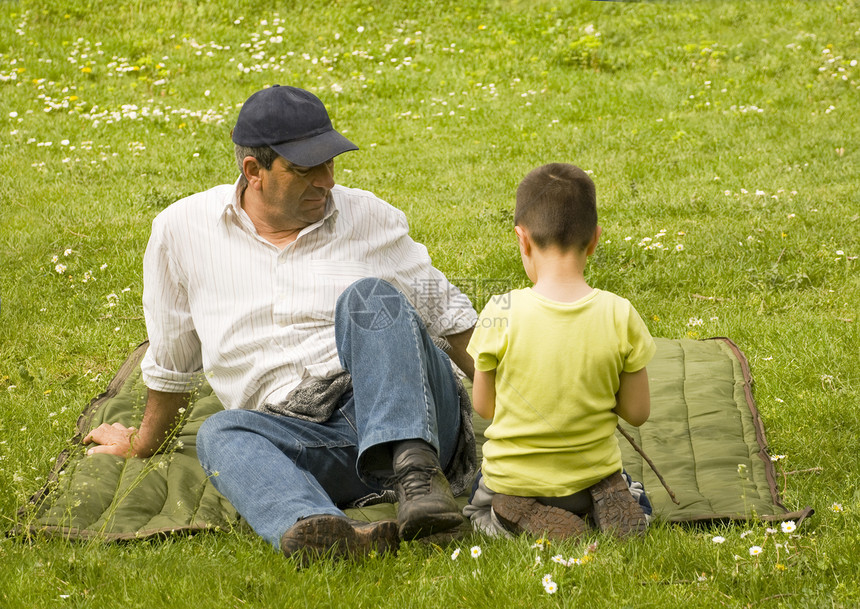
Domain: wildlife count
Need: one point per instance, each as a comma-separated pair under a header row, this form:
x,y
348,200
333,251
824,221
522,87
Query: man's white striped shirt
x,y
257,319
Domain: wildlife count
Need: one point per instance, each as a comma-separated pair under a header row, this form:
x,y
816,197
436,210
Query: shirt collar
x,y
229,204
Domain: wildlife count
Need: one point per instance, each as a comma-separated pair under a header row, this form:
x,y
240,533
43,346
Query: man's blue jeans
x,y
276,470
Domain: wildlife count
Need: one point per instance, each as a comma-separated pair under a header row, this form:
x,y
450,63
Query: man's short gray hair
x,y
264,155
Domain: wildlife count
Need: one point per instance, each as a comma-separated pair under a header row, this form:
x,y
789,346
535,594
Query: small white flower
x,y
68,252
788,526
695,321
679,247
755,550
559,559
60,268
745,533
546,579
836,507
551,588
475,551
718,539
455,554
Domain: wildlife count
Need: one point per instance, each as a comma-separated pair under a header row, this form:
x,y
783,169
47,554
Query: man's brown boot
x,y
338,537
426,503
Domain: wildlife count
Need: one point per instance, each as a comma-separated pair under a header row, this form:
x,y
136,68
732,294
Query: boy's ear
x,y
593,244
524,240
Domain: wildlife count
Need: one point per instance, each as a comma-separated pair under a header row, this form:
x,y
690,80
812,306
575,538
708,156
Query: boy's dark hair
x,y
556,203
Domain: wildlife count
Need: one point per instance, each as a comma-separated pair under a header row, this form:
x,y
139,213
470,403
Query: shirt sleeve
x,y
173,363
642,347
490,338
443,307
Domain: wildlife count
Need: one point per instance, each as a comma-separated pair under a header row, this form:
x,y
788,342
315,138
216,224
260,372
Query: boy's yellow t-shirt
x,y
557,372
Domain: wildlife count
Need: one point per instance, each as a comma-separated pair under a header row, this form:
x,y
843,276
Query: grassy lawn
x,y
723,140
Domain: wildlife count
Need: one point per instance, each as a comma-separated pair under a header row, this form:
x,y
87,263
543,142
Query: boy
x,y
555,366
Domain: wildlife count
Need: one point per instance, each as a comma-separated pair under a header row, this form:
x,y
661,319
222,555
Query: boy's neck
x,y
559,275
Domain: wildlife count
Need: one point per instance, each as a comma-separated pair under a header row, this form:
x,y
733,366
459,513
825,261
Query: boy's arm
x,y
484,393
633,400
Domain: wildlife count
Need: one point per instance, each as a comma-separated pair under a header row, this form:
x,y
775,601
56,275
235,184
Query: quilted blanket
x,y
704,436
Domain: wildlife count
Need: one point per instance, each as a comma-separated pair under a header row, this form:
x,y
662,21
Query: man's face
x,y
297,194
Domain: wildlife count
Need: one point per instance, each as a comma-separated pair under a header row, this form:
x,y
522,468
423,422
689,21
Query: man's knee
x,y
366,288
370,302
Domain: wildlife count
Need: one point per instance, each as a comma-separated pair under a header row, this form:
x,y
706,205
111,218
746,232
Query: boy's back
x,y
558,367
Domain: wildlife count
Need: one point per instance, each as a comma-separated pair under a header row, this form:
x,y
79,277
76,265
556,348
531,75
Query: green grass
x,y
683,111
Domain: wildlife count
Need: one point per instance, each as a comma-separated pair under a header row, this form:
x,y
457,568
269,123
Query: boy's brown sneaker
x,y
615,509
338,537
528,515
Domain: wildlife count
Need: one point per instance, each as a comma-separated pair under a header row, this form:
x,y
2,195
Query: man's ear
x,y
251,169
593,244
524,240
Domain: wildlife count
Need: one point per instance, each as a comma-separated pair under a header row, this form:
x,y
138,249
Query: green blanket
x,y
704,436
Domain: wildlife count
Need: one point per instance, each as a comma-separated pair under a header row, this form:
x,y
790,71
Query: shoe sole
x,y
430,525
527,515
338,537
615,509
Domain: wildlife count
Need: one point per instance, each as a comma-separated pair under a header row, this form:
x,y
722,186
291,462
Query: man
x,y
280,289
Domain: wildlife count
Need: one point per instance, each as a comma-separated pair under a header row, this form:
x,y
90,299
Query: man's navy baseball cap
x,y
292,122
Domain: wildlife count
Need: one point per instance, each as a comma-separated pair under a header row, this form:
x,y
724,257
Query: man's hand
x,y
112,439
163,412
